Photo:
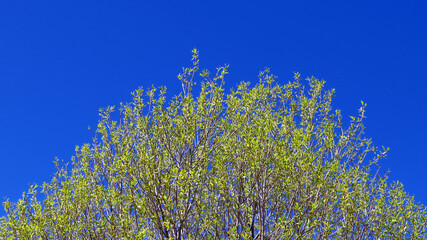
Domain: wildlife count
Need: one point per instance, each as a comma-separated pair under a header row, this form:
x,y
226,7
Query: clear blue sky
x,y
60,61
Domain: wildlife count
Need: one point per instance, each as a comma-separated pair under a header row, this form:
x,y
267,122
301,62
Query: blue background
x,y
60,61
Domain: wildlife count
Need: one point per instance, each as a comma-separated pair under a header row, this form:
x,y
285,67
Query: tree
x,y
268,162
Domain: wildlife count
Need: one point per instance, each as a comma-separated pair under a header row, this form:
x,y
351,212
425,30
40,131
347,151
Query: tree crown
x,y
265,162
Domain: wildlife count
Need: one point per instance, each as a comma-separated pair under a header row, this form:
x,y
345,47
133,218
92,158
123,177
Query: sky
x,y
61,61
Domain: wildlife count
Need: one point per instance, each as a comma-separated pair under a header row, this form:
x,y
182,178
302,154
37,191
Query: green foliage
x,y
266,162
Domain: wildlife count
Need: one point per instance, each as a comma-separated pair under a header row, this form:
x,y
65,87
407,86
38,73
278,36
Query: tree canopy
x,y
272,161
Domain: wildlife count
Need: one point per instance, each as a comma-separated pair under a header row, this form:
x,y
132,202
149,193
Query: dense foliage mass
x,y
266,162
